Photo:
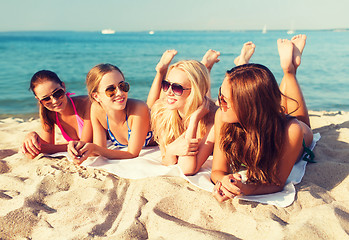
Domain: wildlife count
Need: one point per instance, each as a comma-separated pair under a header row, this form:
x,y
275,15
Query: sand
x,y
51,198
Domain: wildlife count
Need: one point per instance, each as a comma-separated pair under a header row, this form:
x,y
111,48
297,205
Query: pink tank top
x,y
78,119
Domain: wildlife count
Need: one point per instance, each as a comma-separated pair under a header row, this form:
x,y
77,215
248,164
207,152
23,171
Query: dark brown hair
x,y
256,141
46,116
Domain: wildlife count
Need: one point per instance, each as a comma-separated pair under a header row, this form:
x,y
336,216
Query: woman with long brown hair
x,y
57,107
260,127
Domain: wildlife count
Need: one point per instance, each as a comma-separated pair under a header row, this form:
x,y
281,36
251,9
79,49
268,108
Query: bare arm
x,y
188,151
161,71
34,144
231,185
140,127
86,134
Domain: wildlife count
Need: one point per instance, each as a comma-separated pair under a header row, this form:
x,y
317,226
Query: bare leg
x,y
210,58
246,54
290,57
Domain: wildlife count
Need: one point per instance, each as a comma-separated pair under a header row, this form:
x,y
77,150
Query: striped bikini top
x,y
116,142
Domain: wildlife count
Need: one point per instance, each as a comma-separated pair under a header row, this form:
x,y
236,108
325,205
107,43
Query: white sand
x,y
50,198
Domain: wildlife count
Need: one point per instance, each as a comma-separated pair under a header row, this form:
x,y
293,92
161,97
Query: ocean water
x,y
323,74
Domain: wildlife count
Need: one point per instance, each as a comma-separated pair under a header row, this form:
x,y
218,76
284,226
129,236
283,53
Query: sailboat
x,y
291,31
108,31
264,30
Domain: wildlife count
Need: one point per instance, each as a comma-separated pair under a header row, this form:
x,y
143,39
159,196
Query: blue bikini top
x,y
117,144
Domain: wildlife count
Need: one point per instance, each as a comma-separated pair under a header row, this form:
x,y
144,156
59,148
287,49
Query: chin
x,y
171,107
59,108
119,106
228,119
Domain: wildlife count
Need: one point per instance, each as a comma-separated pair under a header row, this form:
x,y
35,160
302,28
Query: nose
x,y
170,92
118,92
53,100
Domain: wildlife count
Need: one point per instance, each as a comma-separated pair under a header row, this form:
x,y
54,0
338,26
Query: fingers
x,y
76,151
218,193
234,185
30,148
192,153
71,149
31,144
84,152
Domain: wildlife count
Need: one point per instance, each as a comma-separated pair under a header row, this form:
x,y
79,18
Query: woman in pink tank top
x,y
70,114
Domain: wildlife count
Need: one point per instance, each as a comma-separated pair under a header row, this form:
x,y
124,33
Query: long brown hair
x,y
46,116
256,141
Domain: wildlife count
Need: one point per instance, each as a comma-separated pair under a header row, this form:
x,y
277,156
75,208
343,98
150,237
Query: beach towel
x,y
148,164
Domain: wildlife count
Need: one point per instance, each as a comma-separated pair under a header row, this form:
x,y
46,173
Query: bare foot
x,y
165,60
210,58
285,48
299,43
246,54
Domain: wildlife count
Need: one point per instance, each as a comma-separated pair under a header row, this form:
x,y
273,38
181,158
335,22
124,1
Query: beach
x,y
51,198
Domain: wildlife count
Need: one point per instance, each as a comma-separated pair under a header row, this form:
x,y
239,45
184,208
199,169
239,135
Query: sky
x,y
144,15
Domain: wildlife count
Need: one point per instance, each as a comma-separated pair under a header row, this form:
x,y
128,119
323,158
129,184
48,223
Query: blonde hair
x,y
95,75
167,124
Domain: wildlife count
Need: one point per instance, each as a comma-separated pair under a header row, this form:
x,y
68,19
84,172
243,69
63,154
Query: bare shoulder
x,y
137,107
294,132
82,104
96,109
212,112
217,118
83,99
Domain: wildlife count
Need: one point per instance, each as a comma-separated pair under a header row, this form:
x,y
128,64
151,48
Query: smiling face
x,y
228,111
119,99
45,89
173,101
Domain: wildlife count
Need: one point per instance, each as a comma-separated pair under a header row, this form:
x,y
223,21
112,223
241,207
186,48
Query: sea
x,y
323,74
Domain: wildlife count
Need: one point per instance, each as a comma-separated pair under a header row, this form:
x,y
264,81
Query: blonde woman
x,y
126,121
182,115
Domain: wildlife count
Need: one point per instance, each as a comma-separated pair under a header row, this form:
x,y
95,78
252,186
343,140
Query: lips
x,y
57,106
171,101
119,100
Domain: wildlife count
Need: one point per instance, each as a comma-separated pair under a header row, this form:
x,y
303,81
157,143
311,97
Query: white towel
x,y
148,164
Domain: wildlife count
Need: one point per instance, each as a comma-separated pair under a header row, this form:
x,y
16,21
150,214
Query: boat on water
x,y
108,31
289,32
264,30
151,32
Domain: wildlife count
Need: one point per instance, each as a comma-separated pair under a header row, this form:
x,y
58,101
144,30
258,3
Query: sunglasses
x,y
222,102
111,90
177,89
57,94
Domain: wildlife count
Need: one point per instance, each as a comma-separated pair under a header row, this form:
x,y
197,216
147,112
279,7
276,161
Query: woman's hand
x,y
184,147
228,187
165,61
31,145
79,151
202,110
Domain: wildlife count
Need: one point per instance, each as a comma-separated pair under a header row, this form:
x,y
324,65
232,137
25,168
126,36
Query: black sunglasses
x,y
57,94
177,89
222,102
111,90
